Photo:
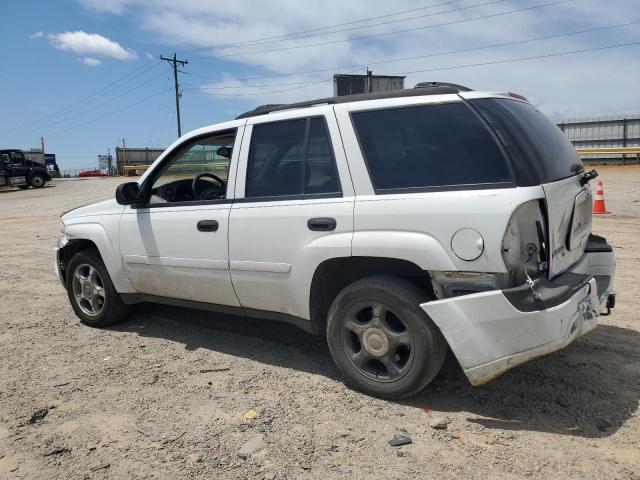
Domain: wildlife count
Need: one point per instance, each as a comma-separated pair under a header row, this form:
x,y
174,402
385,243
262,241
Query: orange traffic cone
x,y
598,205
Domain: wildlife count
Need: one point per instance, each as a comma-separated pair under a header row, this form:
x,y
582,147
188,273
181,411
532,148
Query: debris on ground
x,y
399,440
56,451
38,415
253,445
438,423
250,415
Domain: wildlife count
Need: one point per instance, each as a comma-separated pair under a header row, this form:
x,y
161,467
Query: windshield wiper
x,y
587,177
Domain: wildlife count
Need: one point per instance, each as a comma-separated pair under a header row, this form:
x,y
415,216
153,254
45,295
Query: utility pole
x,y
42,144
175,62
124,157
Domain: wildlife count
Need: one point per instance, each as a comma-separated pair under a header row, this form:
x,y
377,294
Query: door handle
x,y
208,225
322,224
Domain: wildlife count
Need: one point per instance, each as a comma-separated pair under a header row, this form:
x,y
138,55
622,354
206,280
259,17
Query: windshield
x,y
532,140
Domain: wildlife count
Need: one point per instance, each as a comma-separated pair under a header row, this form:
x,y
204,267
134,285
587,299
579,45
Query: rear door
x,y
543,155
293,209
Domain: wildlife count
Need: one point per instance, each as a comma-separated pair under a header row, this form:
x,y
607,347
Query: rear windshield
x,y
429,147
540,151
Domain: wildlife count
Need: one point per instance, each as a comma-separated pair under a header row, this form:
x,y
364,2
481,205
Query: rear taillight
x,y
524,248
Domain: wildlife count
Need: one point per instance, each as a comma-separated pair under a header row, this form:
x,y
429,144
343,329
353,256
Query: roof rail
x,y
459,88
424,88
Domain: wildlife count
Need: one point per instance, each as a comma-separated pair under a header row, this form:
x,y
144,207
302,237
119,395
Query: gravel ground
x,y
164,395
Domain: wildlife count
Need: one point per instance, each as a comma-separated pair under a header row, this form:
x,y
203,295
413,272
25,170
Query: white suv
x,y
398,225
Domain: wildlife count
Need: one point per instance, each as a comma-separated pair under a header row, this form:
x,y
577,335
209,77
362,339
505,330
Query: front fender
x,y
108,247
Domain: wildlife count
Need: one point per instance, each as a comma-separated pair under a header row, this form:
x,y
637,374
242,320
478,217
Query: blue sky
x,y
85,73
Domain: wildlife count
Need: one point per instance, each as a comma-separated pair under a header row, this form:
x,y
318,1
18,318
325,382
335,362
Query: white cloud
x,y
90,61
115,7
36,35
94,44
149,56
593,83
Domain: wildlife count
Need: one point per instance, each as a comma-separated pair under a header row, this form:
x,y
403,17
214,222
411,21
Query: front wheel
x,y
37,180
382,342
91,292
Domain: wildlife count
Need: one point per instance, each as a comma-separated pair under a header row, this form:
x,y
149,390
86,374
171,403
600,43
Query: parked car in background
x,y
16,170
92,173
397,225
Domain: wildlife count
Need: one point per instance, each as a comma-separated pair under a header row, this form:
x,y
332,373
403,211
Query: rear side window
x,y
540,152
429,147
291,158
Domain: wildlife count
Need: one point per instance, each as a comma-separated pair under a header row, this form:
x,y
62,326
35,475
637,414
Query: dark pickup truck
x,y
16,170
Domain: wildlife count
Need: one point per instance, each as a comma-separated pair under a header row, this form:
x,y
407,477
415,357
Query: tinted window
x,y
291,158
429,146
541,153
321,175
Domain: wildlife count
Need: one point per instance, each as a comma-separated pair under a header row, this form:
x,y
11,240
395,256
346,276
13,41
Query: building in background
x,y
130,157
602,132
35,155
346,84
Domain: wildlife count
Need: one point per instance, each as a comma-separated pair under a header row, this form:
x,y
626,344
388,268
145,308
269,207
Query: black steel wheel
x,y
382,342
378,342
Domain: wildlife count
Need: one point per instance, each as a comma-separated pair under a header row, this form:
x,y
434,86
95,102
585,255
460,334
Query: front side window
x,y
428,146
198,171
291,158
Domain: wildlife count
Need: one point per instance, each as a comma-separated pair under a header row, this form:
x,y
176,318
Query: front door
x,y
176,243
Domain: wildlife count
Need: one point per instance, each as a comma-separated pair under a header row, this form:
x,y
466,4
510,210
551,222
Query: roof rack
x,y
424,88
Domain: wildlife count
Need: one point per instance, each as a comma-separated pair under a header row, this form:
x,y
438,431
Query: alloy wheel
x,y
88,290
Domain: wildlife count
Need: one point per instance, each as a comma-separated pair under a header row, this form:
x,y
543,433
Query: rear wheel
x,y
37,180
91,292
382,342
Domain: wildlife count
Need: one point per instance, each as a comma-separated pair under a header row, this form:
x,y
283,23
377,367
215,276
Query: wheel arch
x,y
81,236
333,275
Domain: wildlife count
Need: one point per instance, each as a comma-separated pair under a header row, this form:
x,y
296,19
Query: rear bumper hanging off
x,y
491,332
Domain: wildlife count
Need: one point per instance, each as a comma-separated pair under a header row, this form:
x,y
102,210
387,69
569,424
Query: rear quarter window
x,y
429,147
539,150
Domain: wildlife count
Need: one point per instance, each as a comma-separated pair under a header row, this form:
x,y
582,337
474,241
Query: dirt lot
x,y
163,395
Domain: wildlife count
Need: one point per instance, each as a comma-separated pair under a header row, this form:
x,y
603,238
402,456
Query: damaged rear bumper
x,y
491,332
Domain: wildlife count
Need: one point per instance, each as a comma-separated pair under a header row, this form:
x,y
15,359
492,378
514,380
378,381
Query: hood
x,y
108,207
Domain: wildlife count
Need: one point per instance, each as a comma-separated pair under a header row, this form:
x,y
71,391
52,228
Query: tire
x,y
382,342
91,292
37,180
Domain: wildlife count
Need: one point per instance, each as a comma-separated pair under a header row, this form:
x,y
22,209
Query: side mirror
x,y
128,193
224,152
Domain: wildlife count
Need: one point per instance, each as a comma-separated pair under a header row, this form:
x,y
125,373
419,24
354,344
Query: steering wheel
x,y
194,185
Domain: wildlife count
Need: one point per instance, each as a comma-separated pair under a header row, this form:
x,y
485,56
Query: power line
x,y
89,98
126,107
162,103
424,27
453,67
259,40
416,57
73,115
269,41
